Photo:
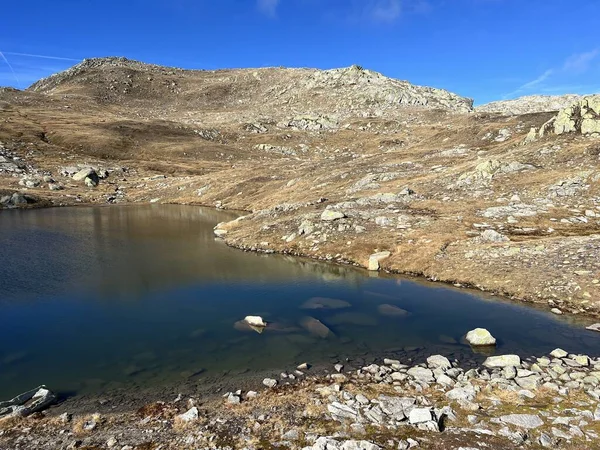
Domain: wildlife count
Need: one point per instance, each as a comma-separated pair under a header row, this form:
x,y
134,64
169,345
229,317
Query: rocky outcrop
x,y
529,104
582,116
321,94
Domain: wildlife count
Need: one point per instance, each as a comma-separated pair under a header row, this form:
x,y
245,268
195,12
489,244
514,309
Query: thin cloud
x,y
29,55
268,7
562,76
580,62
531,84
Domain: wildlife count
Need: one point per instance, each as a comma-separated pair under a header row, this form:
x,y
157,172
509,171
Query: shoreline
x,y
505,401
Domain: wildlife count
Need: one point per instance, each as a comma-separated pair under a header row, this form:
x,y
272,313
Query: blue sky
x,y
484,49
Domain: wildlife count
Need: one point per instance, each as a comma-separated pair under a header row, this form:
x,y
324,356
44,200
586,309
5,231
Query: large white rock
x,y
255,321
375,258
330,215
500,362
480,337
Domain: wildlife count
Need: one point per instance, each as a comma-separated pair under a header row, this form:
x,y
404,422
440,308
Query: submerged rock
x,y
316,327
325,303
392,310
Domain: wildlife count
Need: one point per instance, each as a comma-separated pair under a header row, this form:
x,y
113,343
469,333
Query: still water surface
x,y
98,298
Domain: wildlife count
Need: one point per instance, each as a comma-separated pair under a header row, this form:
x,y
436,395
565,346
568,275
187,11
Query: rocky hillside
x,y
345,165
273,92
529,104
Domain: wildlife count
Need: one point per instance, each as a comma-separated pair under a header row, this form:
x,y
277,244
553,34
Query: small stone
x,y
559,353
303,366
338,367
112,441
556,311
233,399
189,416
291,435
269,382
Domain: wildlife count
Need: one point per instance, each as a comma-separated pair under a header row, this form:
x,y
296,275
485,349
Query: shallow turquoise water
x,y
99,298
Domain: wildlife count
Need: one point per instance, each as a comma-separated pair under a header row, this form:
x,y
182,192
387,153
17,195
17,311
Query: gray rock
x,y
233,399
339,411
359,445
493,236
531,382
330,215
559,353
499,362
90,182
190,415
420,415
421,374
509,372
18,199
397,407
291,435
546,440
376,258
29,402
466,393
528,421
86,173
594,327
439,362
269,382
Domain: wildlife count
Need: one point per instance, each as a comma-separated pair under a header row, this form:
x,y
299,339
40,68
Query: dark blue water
x,y
93,299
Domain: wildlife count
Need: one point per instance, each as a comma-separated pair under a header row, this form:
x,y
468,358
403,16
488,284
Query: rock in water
x,y
325,303
392,311
499,362
255,321
594,327
316,327
480,337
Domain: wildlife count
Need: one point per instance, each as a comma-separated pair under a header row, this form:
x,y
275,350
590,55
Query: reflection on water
x,y
98,298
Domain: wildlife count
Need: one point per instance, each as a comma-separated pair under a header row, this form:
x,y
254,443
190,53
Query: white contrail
x,y
11,69
42,56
